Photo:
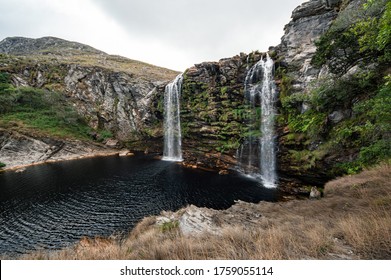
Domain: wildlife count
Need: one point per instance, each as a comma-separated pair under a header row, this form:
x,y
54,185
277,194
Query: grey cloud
x,y
201,25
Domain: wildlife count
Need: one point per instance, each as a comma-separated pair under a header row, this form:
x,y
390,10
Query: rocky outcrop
x,y
309,21
295,53
18,149
116,101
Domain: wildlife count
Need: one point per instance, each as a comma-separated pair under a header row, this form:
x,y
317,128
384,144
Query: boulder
x,y
314,194
112,143
124,153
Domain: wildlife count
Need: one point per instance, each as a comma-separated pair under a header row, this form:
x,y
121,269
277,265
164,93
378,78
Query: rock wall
x,y
309,22
114,101
213,110
213,104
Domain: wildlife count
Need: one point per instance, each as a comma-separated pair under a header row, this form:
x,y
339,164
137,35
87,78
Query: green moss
x,y
305,160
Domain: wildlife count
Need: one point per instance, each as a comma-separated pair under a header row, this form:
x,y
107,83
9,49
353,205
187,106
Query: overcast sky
x,y
171,33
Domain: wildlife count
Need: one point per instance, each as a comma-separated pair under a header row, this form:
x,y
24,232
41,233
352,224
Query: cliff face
x,y
212,103
111,92
309,21
214,108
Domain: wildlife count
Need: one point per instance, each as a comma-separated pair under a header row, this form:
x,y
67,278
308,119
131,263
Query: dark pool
x,y
53,205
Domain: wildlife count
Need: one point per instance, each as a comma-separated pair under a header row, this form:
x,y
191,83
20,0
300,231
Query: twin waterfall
x,y
257,155
172,122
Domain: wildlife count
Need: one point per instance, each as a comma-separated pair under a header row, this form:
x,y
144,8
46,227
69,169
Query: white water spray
x,y
172,122
257,155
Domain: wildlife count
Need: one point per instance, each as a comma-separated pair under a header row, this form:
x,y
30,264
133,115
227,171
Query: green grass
x,y
48,122
41,111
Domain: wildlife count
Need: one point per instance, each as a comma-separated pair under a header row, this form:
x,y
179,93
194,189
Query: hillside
x,y
53,50
65,91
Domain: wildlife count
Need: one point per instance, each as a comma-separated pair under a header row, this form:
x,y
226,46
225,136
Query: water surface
x,y
53,205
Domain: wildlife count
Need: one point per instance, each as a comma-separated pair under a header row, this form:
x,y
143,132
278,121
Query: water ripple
x,y
54,205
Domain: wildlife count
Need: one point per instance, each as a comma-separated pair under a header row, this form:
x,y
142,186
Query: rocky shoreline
x,y
20,150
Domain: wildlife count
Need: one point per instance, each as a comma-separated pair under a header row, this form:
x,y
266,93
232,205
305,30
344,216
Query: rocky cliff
x,y
214,109
111,92
112,95
309,21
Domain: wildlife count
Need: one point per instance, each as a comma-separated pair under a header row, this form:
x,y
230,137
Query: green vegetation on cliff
x,y
214,113
344,119
39,110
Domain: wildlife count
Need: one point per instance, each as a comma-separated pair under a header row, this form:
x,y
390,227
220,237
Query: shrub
x,y
361,37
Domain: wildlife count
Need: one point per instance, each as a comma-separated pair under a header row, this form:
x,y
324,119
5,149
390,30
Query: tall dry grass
x,y
352,221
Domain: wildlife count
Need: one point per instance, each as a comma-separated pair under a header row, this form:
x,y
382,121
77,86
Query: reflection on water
x,y
53,205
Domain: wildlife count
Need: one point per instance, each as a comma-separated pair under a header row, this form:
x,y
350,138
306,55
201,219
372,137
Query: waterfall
x,y
172,121
257,155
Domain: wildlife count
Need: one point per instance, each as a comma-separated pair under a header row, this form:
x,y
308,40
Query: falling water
x,y
257,155
172,121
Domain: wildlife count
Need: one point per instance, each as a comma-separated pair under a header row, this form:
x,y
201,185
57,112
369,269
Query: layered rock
x,y
212,110
22,149
116,101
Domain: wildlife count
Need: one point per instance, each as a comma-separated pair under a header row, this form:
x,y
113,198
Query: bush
x,y
4,78
358,39
2,164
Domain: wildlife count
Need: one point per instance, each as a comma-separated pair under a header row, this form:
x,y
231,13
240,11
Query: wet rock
x,y
223,172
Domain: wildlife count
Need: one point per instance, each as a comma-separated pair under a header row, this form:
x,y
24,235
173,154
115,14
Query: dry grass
x,y
352,221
